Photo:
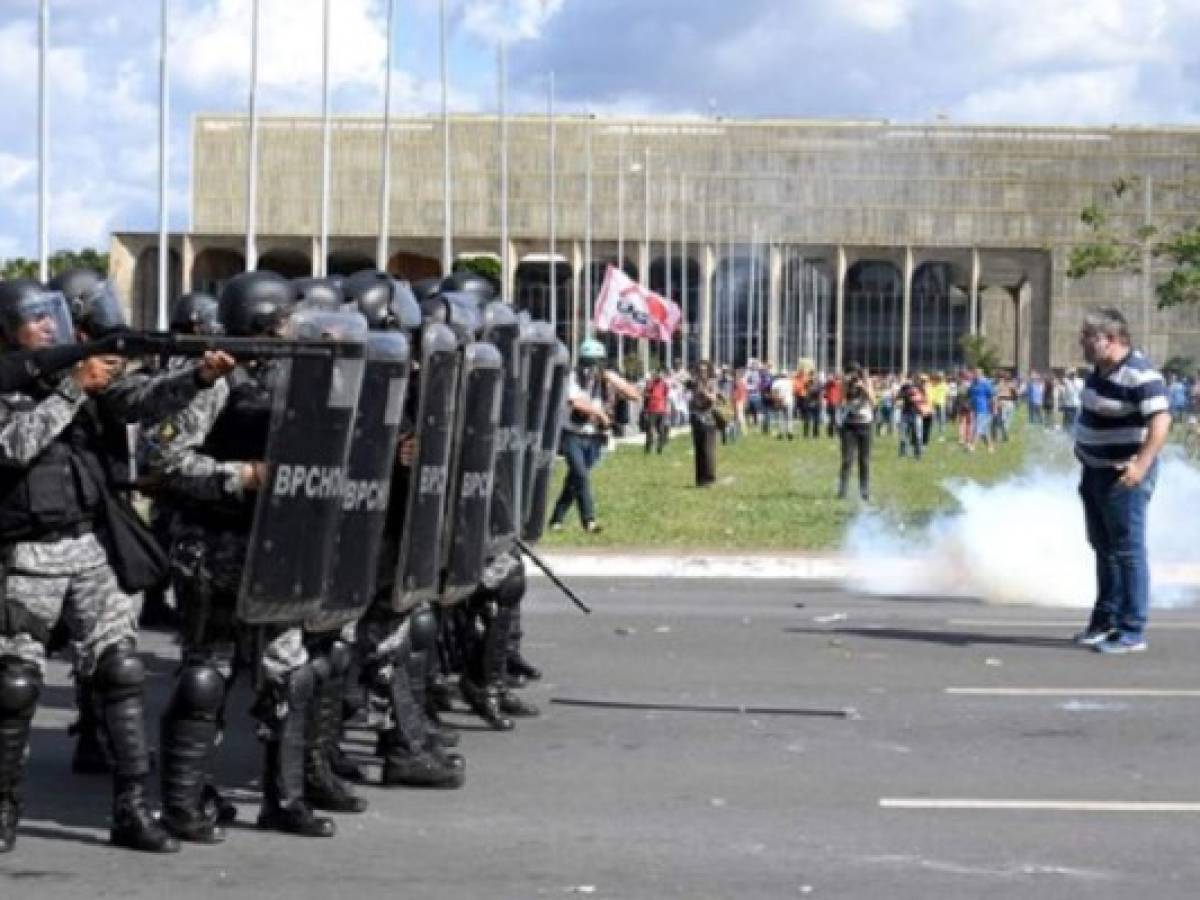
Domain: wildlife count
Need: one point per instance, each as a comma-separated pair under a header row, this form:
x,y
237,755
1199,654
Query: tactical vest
x,y
56,492
239,434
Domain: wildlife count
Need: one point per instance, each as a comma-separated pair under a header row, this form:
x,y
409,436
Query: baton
x,y
524,548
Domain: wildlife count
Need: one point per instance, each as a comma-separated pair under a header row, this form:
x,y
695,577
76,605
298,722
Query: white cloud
x,y
1080,97
510,20
212,47
14,170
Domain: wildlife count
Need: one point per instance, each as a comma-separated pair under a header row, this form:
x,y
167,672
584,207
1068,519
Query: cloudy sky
x,y
1090,62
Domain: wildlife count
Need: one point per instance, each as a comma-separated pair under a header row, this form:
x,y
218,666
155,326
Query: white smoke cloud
x,y
1023,541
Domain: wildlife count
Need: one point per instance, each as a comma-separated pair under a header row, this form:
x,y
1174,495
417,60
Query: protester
x,y
857,414
704,426
1123,424
655,400
781,403
939,393
982,397
912,401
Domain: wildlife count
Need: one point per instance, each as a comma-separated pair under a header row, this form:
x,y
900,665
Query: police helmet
x,y
255,303
464,282
319,293
425,288
457,309
93,301
24,301
195,313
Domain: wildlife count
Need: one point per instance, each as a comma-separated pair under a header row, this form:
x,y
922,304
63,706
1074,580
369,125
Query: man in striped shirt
x,y
1122,425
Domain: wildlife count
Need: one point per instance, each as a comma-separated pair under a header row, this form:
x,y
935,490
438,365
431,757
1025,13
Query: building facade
x,y
837,241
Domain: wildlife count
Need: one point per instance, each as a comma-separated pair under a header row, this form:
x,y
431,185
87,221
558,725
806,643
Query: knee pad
x,y
423,628
120,674
199,693
510,591
341,655
300,684
20,685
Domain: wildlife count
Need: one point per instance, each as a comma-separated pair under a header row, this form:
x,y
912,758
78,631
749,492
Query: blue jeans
x,y
581,452
1116,529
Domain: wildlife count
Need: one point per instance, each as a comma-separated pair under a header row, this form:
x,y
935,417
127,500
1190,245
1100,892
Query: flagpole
x,y
43,143
667,285
163,153
587,227
621,233
252,151
322,269
553,214
447,210
645,343
683,275
385,181
502,84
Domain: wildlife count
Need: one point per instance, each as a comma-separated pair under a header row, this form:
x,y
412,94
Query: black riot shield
x,y
472,470
368,482
547,449
298,510
538,347
418,569
502,329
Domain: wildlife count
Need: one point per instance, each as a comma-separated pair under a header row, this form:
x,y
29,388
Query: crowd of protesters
x,y
972,408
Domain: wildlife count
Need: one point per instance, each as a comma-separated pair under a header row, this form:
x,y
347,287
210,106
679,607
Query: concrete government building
x,y
838,241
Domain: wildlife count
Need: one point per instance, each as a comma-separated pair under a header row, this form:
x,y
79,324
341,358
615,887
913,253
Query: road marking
x,y
1177,693
1055,624
1041,805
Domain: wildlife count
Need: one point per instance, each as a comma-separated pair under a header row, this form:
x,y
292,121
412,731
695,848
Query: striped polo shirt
x,y
1115,412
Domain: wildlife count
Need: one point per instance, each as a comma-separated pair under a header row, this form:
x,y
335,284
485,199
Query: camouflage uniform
x,y
69,574
207,562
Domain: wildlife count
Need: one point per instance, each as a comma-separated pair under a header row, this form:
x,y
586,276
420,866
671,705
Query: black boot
x,y
283,806
322,788
409,758
120,681
134,826
517,665
19,688
485,703
90,756
189,733
437,735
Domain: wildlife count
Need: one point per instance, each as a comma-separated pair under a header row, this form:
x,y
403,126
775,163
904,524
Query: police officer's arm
x,y
26,432
143,397
174,461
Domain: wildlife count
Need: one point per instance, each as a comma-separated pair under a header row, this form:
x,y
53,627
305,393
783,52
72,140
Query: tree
x,y
62,261
1112,249
978,353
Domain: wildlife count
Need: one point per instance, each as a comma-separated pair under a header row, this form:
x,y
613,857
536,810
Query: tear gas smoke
x,y
1023,541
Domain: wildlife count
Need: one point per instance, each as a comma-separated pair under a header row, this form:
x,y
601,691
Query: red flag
x,y
625,307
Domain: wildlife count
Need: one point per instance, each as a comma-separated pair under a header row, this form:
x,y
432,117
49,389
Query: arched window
x,y
940,317
872,331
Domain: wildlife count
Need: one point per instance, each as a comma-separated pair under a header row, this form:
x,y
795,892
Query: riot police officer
x,y
54,484
208,463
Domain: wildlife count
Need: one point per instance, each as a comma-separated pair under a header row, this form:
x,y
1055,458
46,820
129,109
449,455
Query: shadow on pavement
x,y
946,638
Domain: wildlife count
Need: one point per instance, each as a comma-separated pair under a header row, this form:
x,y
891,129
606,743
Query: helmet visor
x,y
39,320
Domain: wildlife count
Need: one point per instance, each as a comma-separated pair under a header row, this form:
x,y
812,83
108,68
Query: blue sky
x,y
1090,62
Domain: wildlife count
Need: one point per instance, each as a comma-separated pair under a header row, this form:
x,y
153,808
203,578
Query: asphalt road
x,y
642,804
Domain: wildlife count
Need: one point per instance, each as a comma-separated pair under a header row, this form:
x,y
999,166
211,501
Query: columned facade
x,y
836,242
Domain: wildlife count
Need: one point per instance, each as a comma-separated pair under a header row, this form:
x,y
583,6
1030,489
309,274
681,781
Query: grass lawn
x,y
770,495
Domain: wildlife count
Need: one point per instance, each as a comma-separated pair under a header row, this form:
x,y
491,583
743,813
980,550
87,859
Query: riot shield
x,y
418,568
502,329
298,510
547,448
538,345
368,482
472,470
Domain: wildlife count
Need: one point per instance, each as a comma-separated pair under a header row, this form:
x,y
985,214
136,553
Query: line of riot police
x,y
341,519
